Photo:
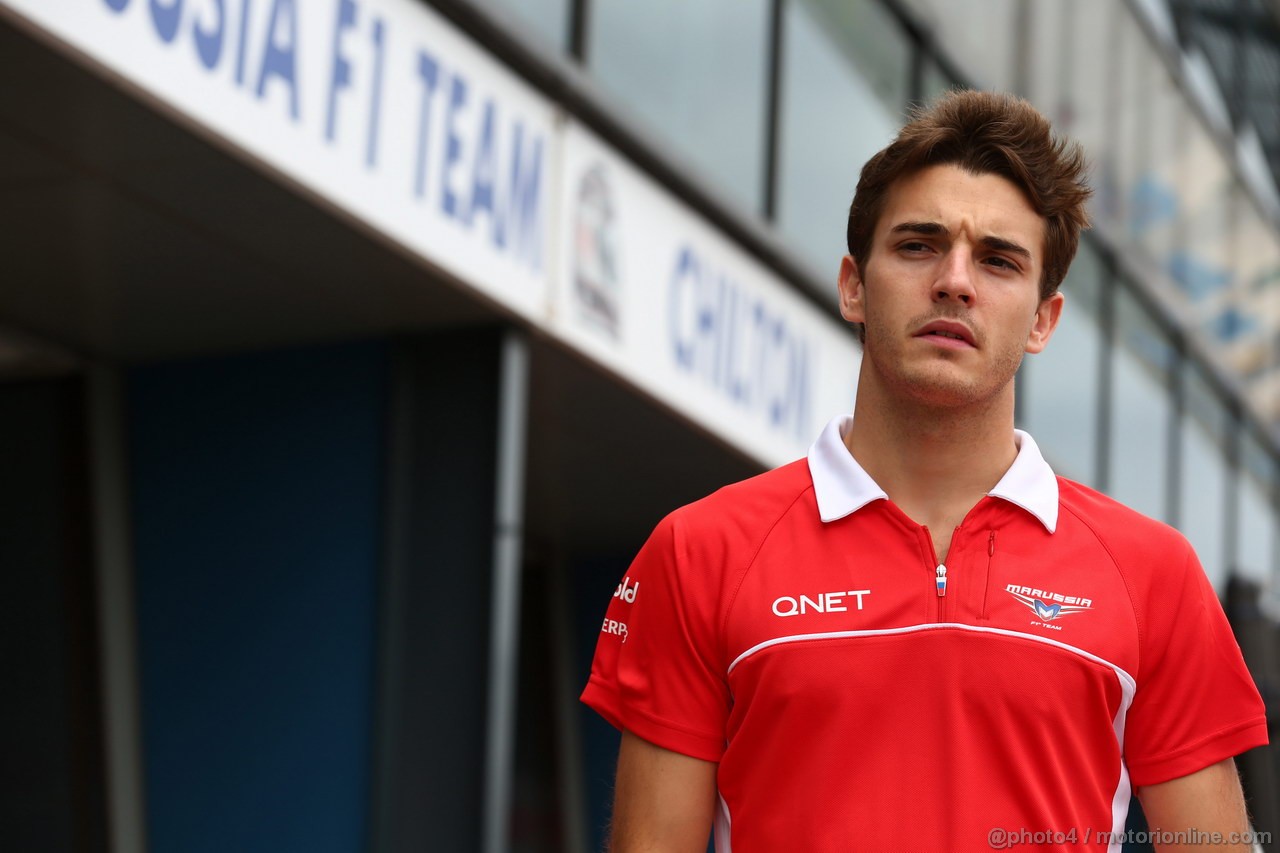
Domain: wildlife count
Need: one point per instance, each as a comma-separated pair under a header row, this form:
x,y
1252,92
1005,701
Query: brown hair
x,y
984,133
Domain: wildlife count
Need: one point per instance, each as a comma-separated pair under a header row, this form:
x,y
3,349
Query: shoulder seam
x,y
1138,622
742,576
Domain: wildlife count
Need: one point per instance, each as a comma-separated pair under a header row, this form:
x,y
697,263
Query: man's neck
x,y
935,463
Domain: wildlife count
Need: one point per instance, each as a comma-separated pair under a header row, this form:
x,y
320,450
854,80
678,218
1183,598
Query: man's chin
x,y
939,389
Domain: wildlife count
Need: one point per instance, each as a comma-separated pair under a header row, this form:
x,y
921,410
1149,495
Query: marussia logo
x,y
1048,606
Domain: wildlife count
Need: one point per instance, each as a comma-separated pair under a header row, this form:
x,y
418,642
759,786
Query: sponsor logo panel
x,y
1048,606
820,602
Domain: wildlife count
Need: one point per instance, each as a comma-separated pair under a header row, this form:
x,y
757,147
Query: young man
x,y
919,638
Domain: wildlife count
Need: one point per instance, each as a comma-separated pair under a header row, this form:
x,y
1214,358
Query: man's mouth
x,y
953,333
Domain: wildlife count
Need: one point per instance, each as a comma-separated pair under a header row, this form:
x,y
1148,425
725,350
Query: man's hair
x,y
984,133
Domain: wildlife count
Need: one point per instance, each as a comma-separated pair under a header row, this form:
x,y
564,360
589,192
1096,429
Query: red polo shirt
x,y
798,629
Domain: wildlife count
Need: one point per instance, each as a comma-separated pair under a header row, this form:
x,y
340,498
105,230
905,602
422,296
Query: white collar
x,y
842,486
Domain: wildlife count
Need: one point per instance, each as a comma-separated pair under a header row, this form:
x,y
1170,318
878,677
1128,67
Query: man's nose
x,y
955,277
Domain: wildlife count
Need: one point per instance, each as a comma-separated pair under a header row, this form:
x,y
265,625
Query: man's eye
x,y
915,247
1003,263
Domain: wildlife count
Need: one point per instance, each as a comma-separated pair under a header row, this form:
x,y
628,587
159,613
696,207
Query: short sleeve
x,y
655,672
1195,703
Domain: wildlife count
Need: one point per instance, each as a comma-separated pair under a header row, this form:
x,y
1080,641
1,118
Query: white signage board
x,y
385,110
652,291
380,106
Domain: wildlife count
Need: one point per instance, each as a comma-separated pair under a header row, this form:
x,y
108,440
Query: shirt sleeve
x,y
655,672
1195,703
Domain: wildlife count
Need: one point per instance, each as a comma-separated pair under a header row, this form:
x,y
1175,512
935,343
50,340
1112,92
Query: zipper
x,y
940,581
939,573
986,585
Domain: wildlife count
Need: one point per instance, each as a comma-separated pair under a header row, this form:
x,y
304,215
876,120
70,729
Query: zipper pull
x,y
942,580
991,545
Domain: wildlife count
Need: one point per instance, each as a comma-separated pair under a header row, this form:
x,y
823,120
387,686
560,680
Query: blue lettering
x,y
117,5
725,298
165,19
428,73
734,344
778,360
242,40
484,168
708,315
452,145
523,205
280,60
340,78
725,295
209,41
375,99
686,273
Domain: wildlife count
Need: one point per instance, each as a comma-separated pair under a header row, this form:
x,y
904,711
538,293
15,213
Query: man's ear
x,y
852,292
1045,322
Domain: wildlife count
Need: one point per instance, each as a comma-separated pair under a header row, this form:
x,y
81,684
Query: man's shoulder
x,y
754,503
1121,529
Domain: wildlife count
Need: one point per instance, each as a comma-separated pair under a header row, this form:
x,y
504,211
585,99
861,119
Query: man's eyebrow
x,y
931,228
1002,245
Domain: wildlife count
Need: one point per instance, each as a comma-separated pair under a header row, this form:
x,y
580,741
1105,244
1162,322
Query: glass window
x,y
833,118
1048,68
871,39
1155,211
1131,120
980,34
547,19
1141,407
1257,521
696,74
1204,474
1202,266
1071,64
1060,387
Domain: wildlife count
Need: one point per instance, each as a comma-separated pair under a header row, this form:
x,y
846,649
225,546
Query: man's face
x,y
951,292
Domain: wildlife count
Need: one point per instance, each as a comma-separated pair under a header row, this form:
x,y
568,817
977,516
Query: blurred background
x,y
349,349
